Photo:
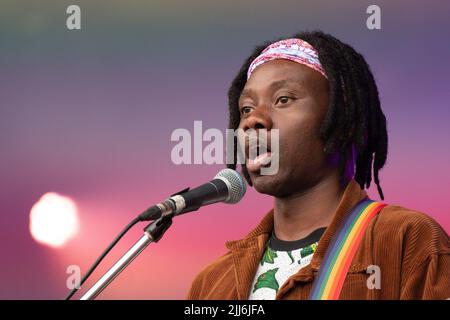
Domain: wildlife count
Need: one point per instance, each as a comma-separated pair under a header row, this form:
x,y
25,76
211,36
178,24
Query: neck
x,y
299,214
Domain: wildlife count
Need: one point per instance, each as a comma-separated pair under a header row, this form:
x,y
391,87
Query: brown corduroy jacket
x,y
410,249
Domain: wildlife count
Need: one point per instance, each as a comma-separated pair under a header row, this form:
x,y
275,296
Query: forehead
x,y
278,73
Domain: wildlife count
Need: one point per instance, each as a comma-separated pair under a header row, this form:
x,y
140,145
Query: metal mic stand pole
x,y
152,233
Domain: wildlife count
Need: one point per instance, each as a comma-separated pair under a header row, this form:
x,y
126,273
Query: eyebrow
x,y
273,86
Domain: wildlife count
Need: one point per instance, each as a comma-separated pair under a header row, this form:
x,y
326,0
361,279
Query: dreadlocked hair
x,y
354,120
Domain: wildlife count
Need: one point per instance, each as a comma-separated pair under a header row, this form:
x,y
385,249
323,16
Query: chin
x,y
271,185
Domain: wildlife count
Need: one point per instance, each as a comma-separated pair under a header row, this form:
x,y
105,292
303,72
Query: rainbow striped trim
x,y
342,248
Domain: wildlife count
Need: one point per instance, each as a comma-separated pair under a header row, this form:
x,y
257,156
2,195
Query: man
x,y
321,96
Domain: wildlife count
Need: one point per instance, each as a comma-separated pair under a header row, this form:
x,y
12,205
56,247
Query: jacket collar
x,y
248,251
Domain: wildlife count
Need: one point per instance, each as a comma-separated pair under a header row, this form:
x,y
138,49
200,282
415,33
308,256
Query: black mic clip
x,y
158,227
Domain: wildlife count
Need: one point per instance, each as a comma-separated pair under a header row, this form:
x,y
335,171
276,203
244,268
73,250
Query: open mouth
x,y
258,155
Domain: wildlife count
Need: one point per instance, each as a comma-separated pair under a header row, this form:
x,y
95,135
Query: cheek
x,y
300,141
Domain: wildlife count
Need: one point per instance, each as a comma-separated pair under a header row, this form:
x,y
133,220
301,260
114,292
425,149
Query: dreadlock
x,y
354,118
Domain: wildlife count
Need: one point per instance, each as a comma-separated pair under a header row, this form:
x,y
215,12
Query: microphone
x,y
227,186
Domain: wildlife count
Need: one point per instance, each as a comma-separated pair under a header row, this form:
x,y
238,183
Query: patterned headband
x,y
295,50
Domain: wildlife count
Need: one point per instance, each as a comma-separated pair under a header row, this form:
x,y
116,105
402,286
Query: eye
x,y
283,100
246,110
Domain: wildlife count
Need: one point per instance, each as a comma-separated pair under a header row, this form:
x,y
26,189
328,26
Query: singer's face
x,y
292,98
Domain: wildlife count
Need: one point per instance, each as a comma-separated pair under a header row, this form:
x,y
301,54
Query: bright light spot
x,y
53,219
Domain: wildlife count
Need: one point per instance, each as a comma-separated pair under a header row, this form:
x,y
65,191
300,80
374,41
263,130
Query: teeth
x,y
256,150
253,153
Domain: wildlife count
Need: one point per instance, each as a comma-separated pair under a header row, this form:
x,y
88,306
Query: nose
x,y
260,118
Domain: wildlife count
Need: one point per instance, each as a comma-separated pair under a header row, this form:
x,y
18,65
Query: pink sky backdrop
x,y
89,114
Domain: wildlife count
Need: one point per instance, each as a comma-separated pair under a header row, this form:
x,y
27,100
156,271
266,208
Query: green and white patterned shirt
x,y
280,261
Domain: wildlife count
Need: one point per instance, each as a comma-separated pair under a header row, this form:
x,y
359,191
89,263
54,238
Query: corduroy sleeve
x,y
426,261
429,280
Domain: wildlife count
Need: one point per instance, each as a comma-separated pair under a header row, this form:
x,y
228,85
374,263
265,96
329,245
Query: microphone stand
x,y
152,233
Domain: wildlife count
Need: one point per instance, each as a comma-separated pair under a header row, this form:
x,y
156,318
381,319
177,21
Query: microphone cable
x,y
102,256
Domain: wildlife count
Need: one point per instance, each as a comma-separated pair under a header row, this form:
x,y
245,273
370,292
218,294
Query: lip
x,y
260,161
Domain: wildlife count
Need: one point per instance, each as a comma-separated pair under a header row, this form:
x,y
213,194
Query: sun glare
x,y
53,219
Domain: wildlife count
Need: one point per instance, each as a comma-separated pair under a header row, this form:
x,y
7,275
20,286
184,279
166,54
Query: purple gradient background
x,y
89,114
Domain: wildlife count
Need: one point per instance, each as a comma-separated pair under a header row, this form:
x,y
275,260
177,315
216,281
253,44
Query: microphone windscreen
x,y
235,183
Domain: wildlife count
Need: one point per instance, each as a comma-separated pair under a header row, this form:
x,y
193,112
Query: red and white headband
x,y
296,50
